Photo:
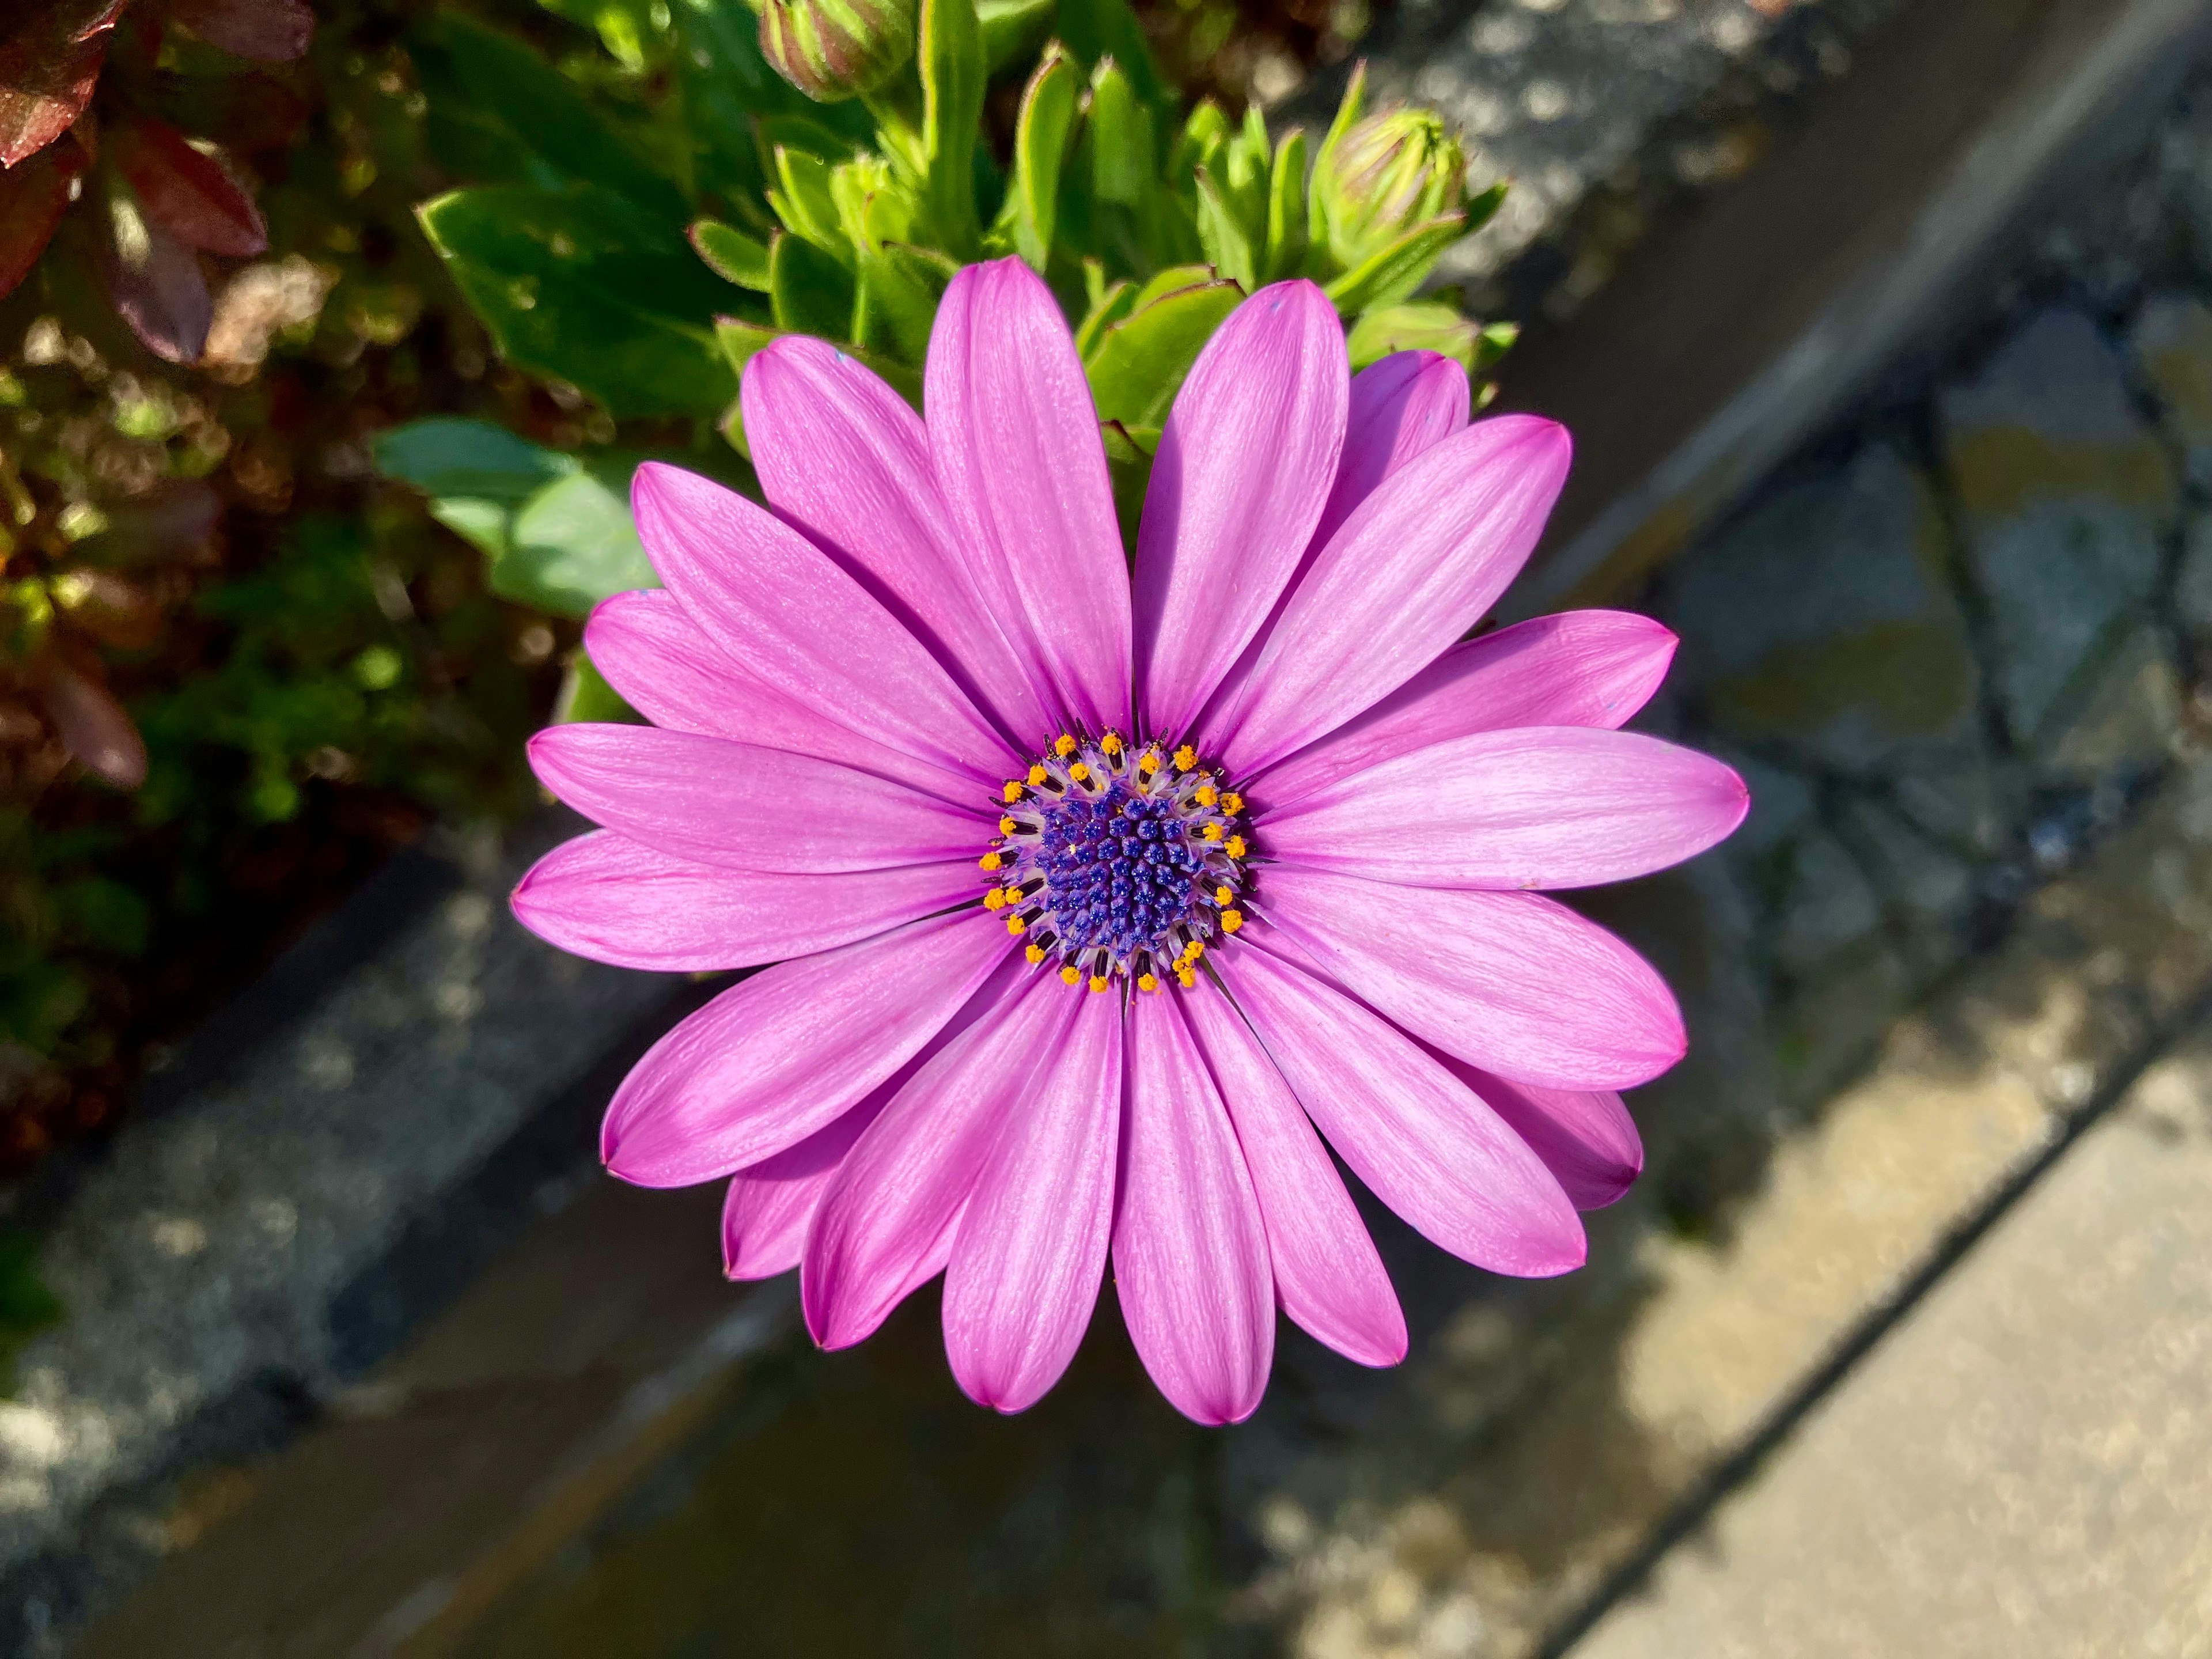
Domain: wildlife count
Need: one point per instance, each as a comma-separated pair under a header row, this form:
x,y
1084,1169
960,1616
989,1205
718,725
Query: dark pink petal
x,y
1585,1137
1421,1140
1327,1273
845,460
1243,471
1512,983
1031,1248
741,807
887,1222
770,1060
613,900
1593,668
1400,407
1542,806
766,1212
1190,1250
665,667
1416,565
777,603
1014,434
271,30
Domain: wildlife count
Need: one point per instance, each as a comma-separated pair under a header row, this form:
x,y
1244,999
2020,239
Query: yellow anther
x,y
1212,832
1099,982
994,900
1063,746
1016,925
1072,974
1007,826
1189,979
1147,982
1080,772
1236,847
1204,794
1232,803
1111,743
1035,954
1011,895
1194,950
1186,757
1148,762
989,860
1231,920
1037,775
1223,895
1014,794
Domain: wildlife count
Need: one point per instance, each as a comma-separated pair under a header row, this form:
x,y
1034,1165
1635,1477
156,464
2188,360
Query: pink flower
x,y
1093,896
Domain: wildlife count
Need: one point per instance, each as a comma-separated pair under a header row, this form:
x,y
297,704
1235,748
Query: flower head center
x,y
1118,861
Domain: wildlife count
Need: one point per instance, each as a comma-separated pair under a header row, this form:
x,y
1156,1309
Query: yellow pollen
x,y
1011,895
1099,982
1223,895
1063,746
1016,925
1007,826
1037,775
1080,772
1147,982
1189,979
1148,762
1111,743
1204,794
1232,803
1014,794
1035,954
994,900
1194,950
1186,757
1212,832
1072,974
1236,847
989,860
1231,920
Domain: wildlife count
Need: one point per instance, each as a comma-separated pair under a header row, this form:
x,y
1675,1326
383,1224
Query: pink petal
x,y
613,900
1544,806
1592,668
1512,983
740,807
665,666
770,1061
845,460
766,1212
1400,407
1015,437
1243,471
777,603
1026,1265
1326,1270
887,1222
1424,1144
1585,1137
1190,1250
1416,565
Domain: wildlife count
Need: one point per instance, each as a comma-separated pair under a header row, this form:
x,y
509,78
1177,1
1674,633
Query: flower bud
x,y
833,50
1385,175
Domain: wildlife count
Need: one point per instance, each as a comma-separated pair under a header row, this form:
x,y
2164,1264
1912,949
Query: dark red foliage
x,y
193,193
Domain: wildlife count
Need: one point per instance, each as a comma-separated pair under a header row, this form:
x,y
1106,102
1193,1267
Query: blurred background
x,y
1884,331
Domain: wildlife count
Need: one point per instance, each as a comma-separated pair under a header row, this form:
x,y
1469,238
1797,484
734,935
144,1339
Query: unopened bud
x,y
832,50
1387,174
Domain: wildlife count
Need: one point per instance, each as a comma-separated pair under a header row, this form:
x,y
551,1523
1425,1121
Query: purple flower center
x,y
1118,861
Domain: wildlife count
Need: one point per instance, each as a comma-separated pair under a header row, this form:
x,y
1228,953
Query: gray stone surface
x,y
2024,1467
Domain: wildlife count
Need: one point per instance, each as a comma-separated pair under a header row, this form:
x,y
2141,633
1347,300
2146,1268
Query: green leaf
x,y
585,695
1122,169
1227,240
1012,29
1286,209
1173,280
900,287
809,292
508,91
573,284
446,455
1347,113
1129,452
1140,361
950,61
1428,325
803,200
574,542
1399,269
1096,30
731,254
1040,132
1108,306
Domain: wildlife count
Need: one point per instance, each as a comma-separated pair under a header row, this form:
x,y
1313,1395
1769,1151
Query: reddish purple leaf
x,y
33,195
156,283
193,194
93,728
50,56
270,30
